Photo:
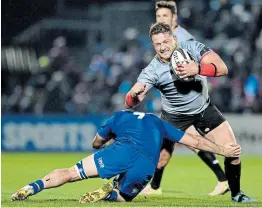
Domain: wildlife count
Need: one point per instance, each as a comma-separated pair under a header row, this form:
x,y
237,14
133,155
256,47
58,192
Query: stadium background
x,y
66,66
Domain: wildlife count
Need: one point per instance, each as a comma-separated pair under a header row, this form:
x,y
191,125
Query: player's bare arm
x,y
211,65
136,95
199,142
98,142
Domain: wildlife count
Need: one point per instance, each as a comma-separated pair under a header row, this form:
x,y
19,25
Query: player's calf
x,y
164,159
233,173
58,177
54,179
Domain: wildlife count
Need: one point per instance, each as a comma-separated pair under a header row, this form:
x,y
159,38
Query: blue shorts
x,y
136,169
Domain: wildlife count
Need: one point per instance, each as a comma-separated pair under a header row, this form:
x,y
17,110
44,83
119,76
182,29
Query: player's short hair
x,y
158,28
166,4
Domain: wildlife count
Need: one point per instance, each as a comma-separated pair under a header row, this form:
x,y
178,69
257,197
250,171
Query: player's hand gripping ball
x,y
180,56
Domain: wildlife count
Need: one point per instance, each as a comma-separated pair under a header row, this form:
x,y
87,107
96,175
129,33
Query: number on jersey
x,y
139,114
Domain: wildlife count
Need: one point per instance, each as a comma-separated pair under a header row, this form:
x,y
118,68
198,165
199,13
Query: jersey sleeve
x,y
172,133
196,49
148,77
106,130
183,35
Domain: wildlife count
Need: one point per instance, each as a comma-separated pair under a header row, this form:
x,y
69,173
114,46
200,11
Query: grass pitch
x,y
186,182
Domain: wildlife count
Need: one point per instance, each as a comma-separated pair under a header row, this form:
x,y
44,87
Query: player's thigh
x,y
83,169
114,159
136,178
222,134
89,166
214,126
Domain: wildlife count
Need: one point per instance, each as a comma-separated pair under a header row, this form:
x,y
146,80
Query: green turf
x,y
186,182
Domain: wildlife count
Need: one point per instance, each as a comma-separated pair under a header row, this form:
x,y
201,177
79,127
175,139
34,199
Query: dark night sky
x,y
17,15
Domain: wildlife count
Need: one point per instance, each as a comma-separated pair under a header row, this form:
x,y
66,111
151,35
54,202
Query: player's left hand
x,y
232,150
187,69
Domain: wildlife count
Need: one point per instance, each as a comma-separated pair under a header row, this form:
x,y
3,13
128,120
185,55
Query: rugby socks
x,y
80,170
155,183
112,196
233,173
37,186
211,161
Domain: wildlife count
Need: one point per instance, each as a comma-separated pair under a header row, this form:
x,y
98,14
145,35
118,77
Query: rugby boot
x,y
148,190
242,198
22,193
220,189
97,195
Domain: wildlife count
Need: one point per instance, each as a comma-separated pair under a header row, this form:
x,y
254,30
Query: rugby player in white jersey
x,y
166,12
188,102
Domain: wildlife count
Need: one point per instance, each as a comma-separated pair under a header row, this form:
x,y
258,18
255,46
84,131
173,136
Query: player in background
x,y
138,138
166,12
188,103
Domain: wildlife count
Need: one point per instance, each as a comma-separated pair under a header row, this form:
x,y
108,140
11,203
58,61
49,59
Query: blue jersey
x,y
142,131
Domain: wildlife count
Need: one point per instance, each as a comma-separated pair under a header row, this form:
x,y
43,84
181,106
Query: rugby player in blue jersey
x,y
134,156
188,102
166,12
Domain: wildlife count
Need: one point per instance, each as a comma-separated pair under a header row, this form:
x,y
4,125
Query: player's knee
x,y
67,173
232,160
72,174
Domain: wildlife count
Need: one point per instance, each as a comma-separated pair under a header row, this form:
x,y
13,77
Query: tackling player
x,y
166,12
188,103
133,155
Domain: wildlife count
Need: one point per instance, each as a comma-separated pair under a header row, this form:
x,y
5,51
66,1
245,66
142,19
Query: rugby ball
x,y
178,57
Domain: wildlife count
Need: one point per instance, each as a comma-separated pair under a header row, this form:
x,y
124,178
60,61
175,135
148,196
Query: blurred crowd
x,y
68,86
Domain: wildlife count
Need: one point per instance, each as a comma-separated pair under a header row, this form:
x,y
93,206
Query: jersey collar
x,y
162,60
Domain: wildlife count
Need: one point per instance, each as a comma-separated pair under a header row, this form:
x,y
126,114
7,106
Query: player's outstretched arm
x,y
136,95
201,143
